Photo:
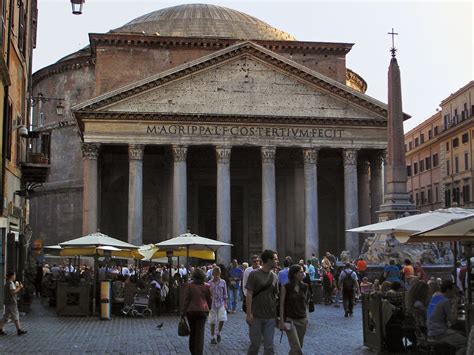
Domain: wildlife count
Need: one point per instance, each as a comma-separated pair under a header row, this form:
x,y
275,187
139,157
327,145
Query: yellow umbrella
x,y
200,254
91,251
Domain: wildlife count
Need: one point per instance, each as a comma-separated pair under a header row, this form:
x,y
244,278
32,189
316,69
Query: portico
x,y
288,174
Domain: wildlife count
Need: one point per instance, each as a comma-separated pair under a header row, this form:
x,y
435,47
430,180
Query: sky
x,y
435,48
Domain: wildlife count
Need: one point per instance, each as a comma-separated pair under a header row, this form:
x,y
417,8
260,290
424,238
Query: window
x,y
455,117
430,134
417,142
415,168
447,121
410,145
466,192
447,197
455,142
436,193
422,166
465,112
436,130
457,195
447,146
422,138
429,196
465,138
8,143
466,161
448,170
408,170
456,165
435,160
428,163
422,197
417,201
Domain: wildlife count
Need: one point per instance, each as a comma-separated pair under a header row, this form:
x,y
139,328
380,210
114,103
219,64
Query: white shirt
x,y
246,277
183,272
125,271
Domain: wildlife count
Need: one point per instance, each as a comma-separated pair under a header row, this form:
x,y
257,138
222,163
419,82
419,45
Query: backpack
x,y
348,282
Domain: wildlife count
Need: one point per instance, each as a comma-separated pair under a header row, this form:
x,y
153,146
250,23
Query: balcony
x,y
36,166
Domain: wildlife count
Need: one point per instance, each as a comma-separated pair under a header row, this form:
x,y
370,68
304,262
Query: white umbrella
x,y
401,228
96,240
193,241
461,229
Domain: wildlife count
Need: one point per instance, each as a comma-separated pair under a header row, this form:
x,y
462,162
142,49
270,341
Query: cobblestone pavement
x,y
328,333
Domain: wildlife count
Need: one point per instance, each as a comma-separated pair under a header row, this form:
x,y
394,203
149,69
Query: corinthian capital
x,y
363,166
310,155
135,151
179,152
350,156
223,154
268,154
90,151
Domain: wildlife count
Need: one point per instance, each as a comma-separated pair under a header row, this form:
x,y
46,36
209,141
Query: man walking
x,y
348,283
255,266
235,277
11,307
262,293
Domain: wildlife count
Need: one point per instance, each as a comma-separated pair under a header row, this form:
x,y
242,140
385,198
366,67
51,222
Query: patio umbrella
x,y
402,228
152,252
97,240
94,244
193,244
461,230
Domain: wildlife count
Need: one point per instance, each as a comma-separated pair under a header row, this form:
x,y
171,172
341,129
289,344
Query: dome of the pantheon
x,y
201,20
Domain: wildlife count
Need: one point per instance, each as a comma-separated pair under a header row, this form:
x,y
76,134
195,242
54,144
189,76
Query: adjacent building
x,y
17,39
439,154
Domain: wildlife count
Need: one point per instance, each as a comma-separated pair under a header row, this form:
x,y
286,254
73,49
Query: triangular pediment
x,y
244,79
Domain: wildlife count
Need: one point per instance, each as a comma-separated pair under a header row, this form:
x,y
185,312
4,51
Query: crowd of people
x,y
273,294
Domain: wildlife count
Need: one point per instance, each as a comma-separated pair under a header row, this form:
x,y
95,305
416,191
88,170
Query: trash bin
x,y
105,299
317,292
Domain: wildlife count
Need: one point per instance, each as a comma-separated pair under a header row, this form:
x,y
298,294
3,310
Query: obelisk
x,y
396,199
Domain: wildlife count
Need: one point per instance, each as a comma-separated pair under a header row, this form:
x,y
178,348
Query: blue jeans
x,y
267,328
233,297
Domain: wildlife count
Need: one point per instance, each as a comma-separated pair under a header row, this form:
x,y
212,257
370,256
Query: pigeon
x,y
159,326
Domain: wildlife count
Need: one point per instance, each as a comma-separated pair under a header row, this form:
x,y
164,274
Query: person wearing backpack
x,y
349,286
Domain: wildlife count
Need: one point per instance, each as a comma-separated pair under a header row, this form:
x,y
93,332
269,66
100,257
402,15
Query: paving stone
x,y
328,332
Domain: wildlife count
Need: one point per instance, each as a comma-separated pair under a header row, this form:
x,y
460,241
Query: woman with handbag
x,y
196,304
293,309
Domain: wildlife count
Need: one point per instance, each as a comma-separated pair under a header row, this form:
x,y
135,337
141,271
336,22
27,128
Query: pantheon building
x,y
203,118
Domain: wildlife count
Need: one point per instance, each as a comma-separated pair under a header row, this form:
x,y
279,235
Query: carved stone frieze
x,y
179,152
90,151
135,151
223,154
268,154
350,156
310,155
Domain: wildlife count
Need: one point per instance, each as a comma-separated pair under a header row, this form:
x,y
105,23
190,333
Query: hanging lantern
x,y
60,109
77,6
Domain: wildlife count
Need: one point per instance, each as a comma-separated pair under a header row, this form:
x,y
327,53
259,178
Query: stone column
x,y
310,158
364,192
350,200
179,190
90,155
376,187
135,194
223,203
268,199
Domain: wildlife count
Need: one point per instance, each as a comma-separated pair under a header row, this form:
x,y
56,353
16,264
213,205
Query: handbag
x,y
311,305
183,327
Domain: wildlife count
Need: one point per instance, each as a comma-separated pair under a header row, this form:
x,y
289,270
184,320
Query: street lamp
x,y
77,6
35,100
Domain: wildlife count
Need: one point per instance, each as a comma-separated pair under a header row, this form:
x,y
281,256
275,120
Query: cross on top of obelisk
x,y
393,49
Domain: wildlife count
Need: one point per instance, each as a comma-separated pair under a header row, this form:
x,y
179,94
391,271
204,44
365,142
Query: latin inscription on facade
x,y
244,131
